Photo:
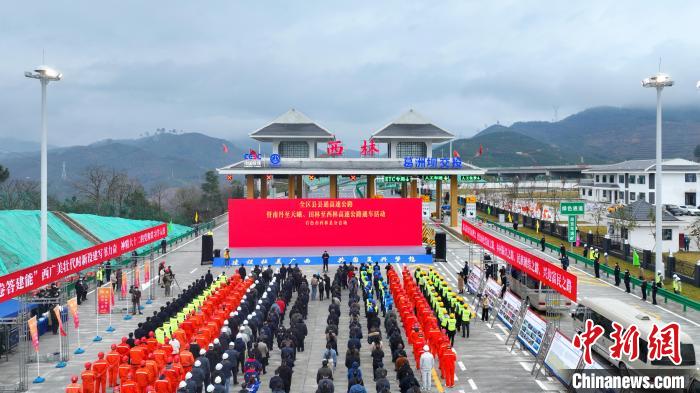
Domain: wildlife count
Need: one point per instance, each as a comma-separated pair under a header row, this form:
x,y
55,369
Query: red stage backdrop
x,y
22,281
551,275
324,222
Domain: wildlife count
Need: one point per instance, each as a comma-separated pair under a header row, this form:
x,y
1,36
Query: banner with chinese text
x,y
57,312
34,333
104,300
73,310
551,275
325,222
25,280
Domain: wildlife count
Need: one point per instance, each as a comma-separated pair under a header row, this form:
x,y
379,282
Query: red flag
x,y
225,147
480,151
57,312
455,154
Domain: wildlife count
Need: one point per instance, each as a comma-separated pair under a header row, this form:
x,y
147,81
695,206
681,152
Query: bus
x,y
537,293
603,311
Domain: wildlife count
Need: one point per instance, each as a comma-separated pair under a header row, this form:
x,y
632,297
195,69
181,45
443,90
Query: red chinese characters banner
x,y
25,280
551,275
324,222
104,300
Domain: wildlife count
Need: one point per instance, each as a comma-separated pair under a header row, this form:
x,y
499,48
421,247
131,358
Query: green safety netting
x,y
19,239
19,235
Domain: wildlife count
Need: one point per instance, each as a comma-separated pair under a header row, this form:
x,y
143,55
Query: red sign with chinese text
x,y
551,275
368,150
324,222
37,276
334,148
104,300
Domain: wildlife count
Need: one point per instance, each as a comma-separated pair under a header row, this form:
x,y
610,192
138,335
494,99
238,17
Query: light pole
x,y
658,81
45,75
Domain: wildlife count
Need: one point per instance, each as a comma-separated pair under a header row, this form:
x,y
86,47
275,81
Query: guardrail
x,y
666,294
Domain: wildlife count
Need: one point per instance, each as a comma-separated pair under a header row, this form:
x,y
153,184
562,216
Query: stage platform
x,y
312,255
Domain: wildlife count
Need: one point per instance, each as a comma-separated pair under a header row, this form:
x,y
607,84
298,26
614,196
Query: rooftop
x,y
670,164
640,211
411,125
292,124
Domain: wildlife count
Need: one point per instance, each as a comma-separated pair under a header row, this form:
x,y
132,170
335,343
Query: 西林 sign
x,y
325,222
37,276
551,275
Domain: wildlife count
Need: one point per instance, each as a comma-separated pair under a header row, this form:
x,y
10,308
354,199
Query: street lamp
x,y
45,74
658,81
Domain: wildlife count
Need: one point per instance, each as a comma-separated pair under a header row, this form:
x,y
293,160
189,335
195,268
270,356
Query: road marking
x,y
193,270
525,246
456,378
526,366
461,366
472,384
542,386
437,382
502,329
498,336
550,379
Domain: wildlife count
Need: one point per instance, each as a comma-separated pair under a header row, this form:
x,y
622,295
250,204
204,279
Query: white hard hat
x,y
426,348
218,378
219,366
202,352
188,375
210,388
197,363
225,355
183,383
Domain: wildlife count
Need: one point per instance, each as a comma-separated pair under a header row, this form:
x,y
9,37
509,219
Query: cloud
x,y
228,68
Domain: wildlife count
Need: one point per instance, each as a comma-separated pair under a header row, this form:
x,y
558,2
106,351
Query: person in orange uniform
x,y
447,364
162,385
142,377
151,342
160,356
100,367
113,360
74,386
129,385
167,348
137,354
88,378
123,348
124,369
173,375
187,360
152,368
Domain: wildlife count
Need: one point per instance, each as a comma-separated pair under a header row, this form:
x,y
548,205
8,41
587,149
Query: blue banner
x,y
317,260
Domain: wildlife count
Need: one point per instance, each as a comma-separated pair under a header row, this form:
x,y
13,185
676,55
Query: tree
x,y
4,174
19,194
598,212
694,231
211,198
93,185
158,194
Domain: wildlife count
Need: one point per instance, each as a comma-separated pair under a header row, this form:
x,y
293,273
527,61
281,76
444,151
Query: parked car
x,y
692,210
675,210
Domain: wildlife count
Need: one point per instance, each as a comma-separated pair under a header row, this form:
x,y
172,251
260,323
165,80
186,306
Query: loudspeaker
x,y
440,246
217,253
207,249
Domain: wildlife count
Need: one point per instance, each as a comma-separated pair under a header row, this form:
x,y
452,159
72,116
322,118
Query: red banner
x,y
73,310
57,312
551,275
34,333
125,284
104,300
136,277
37,276
325,222
146,272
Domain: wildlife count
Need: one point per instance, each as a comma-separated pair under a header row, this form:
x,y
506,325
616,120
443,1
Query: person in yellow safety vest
x,y
466,317
451,328
659,280
160,335
99,276
677,284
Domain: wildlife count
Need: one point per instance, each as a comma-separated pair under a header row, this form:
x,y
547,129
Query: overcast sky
x,y
227,69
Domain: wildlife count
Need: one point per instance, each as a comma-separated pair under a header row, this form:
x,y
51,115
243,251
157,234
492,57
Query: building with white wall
x,y
637,226
630,181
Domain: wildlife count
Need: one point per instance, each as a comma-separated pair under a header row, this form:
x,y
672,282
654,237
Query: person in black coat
x,y
208,278
644,289
285,372
276,382
627,280
616,274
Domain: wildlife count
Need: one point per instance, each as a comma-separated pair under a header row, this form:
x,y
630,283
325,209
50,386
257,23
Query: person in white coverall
x,y
426,367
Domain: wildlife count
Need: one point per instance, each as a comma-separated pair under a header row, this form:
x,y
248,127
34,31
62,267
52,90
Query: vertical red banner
x,y
137,273
104,300
34,333
125,284
73,310
57,312
146,272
